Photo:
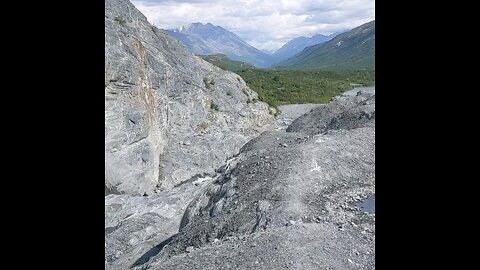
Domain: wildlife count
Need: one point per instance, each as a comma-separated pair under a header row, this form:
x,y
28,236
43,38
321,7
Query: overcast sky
x,y
264,24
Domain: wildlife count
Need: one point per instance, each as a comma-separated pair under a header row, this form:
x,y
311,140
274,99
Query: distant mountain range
x,y
296,45
354,49
207,39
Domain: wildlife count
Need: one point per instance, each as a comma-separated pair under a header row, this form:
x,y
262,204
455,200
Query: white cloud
x,y
265,24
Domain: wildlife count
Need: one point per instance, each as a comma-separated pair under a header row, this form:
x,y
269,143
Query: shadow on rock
x,y
152,252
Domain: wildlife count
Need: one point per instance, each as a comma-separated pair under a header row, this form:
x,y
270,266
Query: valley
x,y
280,87
218,162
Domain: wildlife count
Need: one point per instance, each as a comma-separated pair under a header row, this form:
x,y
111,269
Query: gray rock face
x,y
288,200
168,116
136,226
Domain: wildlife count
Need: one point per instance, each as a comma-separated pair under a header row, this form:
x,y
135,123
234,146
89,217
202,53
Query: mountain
x,y
223,62
266,51
206,39
197,177
354,49
165,108
296,45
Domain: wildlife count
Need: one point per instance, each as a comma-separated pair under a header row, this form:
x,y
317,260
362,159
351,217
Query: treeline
x,y
226,63
279,87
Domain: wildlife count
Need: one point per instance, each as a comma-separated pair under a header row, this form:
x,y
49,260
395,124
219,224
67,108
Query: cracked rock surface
x,y
286,199
169,115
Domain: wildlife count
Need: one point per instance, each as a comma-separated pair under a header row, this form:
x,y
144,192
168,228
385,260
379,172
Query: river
x,y
365,89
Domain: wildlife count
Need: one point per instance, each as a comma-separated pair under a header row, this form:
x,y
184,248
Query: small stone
x,y
350,261
230,193
284,144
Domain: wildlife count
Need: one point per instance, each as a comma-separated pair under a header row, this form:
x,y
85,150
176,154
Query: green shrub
x,y
120,20
279,87
214,106
209,83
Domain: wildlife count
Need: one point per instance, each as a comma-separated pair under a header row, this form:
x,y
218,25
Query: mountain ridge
x,y
208,39
225,63
232,192
354,49
297,44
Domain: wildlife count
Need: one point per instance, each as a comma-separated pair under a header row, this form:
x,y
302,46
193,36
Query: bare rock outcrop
x,y
169,115
288,200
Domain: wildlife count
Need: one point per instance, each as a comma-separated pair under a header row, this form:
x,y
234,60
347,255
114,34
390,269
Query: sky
x,y
264,24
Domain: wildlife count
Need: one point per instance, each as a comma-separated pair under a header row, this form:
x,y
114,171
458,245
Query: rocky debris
x,y
362,90
342,112
276,207
169,115
287,200
137,227
290,112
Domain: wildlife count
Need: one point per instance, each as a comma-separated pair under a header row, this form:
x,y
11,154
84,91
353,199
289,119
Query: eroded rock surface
x,y
169,115
287,201
136,226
